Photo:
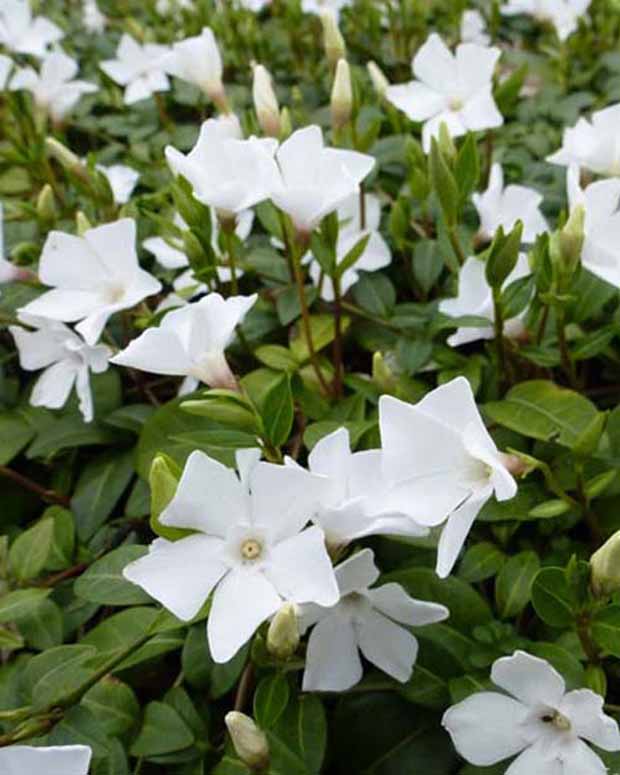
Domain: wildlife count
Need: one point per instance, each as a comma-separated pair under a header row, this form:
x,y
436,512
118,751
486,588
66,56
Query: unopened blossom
x,y
354,502
600,253
265,102
190,342
249,741
375,255
93,276
503,206
122,180
170,253
333,42
226,172
474,29
140,68
451,89
563,15
6,64
94,21
535,717
197,60
443,463
251,548
367,621
55,89
24,34
320,6
315,180
593,145
67,361
378,78
56,760
476,298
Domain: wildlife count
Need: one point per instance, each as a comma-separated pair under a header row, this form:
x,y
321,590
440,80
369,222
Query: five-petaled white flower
x,y
473,28
22,33
93,276
226,172
443,463
376,254
55,760
94,21
564,15
197,60
251,547
315,180
67,361
190,342
366,620
601,202
354,503
594,144
504,206
536,718
476,298
451,89
122,180
139,68
55,89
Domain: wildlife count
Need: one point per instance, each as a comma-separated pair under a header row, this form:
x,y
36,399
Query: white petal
x,y
84,393
300,569
391,648
157,351
209,497
64,305
57,760
435,65
331,455
455,532
53,387
481,112
332,659
180,574
393,601
357,572
69,262
584,708
529,679
241,603
581,760
417,100
485,728
537,760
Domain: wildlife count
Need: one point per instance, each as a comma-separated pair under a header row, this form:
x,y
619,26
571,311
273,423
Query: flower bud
x,y
605,567
332,39
46,206
250,742
286,124
283,633
446,143
61,153
379,81
82,224
342,96
266,102
571,239
596,679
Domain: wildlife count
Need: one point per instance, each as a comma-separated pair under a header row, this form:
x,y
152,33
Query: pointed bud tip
x,y
249,741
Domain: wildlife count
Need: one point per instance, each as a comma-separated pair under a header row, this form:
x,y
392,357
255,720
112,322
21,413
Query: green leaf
x,y
544,411
322,332
103,582
20,603
503,255
270,700
426,689
30,550
467,169
444,184
114,704
302,730
552,598
605,629
276,357
15,433
481,561
52,675
277,411
513,585
163,731
63,539
351,258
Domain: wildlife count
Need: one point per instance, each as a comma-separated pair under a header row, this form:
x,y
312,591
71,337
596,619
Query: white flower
x,y
198,61
22,33
476,298
366,620
473,28
314,180
225,172
54,89
6,63
67,361
170,254
250,547
354,503
536,718
139,68
190,342
443,462
57,760
499,206
92,276
122,180
601,202
254,5
594,145
455,89
319,6
562,14
376,254
94,20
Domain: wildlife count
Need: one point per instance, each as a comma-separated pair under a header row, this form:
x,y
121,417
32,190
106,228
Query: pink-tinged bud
x,y
342,96
266,102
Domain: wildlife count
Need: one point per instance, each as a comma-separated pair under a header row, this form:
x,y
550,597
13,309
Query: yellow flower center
x,y
558,720
456,103
251,549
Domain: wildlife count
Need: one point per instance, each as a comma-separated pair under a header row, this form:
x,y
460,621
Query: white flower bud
x,y
379,81
283,633
250,742
342,95
332,39
605,567
266,102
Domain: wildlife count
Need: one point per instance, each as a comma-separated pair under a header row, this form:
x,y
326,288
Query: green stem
x,y
585,639
499,338
456,245
337,351
228,227
567,363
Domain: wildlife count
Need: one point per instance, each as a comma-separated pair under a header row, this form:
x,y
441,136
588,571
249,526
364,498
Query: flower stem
x,y
50,496
228,227
567,363
456,245
499,338
338,365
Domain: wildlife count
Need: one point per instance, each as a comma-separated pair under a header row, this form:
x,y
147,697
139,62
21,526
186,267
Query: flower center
x,y
114,293
456,103
559,721
251,549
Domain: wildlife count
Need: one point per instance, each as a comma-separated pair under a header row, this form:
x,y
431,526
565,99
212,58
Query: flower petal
x,y
531,680
456,530
332,659
157,351
417,100
584,708
392,600
53,387
357,572
391,648
55,760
